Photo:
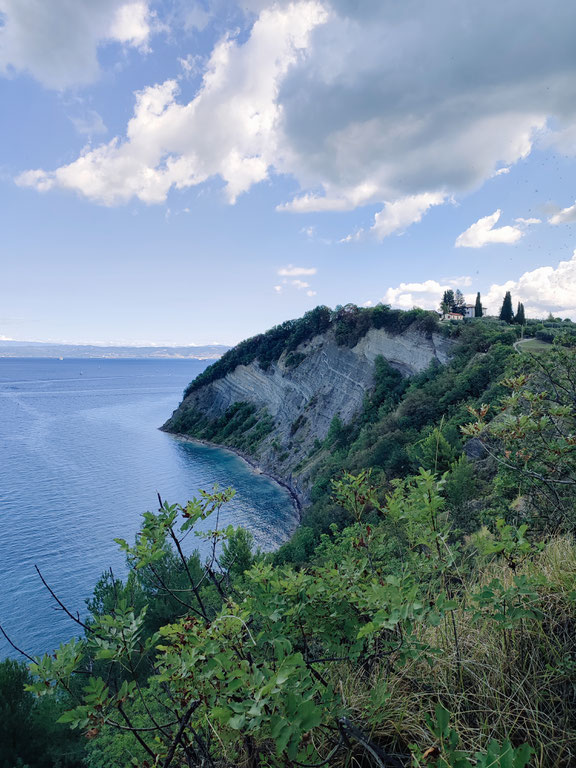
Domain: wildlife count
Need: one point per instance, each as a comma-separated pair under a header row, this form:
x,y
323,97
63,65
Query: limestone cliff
x,y
300,394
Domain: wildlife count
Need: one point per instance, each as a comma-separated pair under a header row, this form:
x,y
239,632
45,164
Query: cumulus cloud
x,y
565,216
291,271
403,98
131,24
57,42
361,103
542,290
227,130
426,295
397,216
483,232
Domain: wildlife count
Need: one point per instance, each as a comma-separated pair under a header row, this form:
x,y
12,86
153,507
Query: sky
x,y
196,171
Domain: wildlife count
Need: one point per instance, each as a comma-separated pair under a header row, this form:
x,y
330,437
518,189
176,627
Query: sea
x,y
81,458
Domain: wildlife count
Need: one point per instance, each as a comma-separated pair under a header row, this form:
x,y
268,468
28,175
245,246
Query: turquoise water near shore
x,y
81,458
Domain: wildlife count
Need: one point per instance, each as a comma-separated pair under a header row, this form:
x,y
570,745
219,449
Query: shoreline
x,y
296,502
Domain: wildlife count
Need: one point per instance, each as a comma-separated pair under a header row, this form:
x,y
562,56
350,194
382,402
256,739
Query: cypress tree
x,y
478,311
520,315
506,313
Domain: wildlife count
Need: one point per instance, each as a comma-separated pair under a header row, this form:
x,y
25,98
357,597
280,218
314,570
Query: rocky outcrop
x,y
328,381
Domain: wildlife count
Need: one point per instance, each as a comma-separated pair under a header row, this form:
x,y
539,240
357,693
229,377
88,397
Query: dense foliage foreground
x,y
403,640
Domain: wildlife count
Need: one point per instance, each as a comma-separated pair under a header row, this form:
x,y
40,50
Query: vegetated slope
x,y
395,639
276,396
348,389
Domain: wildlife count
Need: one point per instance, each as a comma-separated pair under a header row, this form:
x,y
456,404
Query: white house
x,y
470,310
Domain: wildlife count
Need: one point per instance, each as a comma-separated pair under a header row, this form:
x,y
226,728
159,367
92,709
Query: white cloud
x,y
345,200
464,281
528,222
191,65
291,271
426,295
361,103
542,290
227,130
56,41
89,123
291,277
300,285
397,216
363,109
482,233
131,24
565,216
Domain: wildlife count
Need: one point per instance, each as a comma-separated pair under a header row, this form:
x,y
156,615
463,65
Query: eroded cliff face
x,y
329,381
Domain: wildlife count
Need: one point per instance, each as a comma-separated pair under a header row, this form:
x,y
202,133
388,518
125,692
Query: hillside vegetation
x,y
349,323
424,614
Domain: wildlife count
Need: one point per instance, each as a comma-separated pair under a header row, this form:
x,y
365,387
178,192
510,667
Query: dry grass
x,y
515,683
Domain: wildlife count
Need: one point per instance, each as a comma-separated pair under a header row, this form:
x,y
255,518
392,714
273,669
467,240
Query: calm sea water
x,y
81,458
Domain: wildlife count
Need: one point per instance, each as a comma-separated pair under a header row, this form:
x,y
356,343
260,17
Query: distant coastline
x,y
84,351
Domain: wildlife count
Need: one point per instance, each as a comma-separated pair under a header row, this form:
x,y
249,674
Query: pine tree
x,y
434,452
507,313
520,315
447,303
459,302
478,310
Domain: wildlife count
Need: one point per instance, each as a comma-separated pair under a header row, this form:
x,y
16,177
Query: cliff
x,y
279,415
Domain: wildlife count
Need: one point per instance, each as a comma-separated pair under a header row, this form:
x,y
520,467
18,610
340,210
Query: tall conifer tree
x,y
507,313
459,302
447,303
520,315
478,310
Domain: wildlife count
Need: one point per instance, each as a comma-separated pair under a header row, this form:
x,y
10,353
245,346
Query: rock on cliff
x,y
303,391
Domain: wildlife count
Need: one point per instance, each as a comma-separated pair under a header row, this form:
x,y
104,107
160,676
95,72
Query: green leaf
x,y
442,717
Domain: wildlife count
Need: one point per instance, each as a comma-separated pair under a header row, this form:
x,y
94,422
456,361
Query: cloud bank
x,y
56,41
392,103
542,290
227,130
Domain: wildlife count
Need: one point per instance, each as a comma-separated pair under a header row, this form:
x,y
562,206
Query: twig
x,y
183,723
61,604
19,650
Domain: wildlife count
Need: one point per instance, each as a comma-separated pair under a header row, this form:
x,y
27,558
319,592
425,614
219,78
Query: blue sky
x,y
194,172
